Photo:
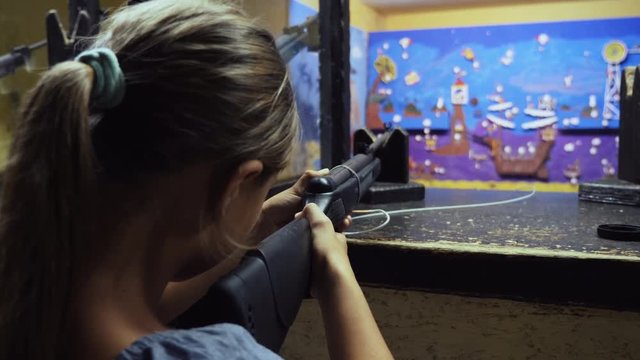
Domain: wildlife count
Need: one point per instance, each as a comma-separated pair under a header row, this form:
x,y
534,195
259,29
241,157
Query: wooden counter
x,y
542,249
500,282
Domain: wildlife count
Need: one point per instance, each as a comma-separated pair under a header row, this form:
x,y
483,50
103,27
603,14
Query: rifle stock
x,y
263,294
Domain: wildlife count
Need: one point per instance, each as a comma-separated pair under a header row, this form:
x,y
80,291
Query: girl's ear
x,y
242,179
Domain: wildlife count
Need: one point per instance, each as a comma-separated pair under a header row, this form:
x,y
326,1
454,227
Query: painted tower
x,y
459,144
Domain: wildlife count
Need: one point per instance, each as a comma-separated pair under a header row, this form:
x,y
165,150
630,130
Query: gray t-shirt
x,y
219,341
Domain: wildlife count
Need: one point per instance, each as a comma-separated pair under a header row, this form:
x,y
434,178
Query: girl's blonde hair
x,y
203,84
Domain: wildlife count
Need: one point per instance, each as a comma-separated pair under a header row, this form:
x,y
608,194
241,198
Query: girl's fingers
x,y
345,223
301,184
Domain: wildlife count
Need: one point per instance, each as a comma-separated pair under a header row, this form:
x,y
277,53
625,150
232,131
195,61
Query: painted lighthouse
x,y
459,144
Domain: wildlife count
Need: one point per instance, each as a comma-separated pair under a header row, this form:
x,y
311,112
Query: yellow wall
x,y
519,11
421,18
272,14
362,16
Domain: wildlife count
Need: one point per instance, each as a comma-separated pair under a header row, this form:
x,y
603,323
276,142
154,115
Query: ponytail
x,y
44,191
191,66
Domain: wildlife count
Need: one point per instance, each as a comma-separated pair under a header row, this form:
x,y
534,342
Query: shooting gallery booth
x,y
505,134
522,125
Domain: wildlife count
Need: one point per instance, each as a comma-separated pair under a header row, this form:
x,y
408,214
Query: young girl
x,y
136,173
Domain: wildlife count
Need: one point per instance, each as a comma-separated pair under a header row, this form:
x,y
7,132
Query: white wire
x,y
353,172
449,207
380,212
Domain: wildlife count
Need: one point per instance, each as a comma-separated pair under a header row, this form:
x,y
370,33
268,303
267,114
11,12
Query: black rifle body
x,y
264,293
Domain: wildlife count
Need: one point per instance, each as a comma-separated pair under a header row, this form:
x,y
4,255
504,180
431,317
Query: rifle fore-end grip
x,y
320,184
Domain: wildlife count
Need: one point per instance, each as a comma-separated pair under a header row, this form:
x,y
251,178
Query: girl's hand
x,y
330,262
350,329
280,209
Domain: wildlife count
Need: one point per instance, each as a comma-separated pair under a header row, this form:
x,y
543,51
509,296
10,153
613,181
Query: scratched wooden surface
x,y
553,224
542,252
419,325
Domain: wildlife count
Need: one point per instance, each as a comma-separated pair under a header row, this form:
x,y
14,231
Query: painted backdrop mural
x,y
530,101
305,76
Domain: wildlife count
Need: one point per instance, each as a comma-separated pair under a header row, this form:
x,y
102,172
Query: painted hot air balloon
x,y
468,54
542,39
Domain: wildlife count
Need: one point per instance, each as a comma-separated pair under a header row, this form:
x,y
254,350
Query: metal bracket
x,y
84,16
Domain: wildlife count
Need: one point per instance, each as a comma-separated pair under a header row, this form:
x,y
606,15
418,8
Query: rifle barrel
x,y
18,57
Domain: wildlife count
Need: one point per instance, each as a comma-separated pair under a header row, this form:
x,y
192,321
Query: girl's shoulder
x,y
219,341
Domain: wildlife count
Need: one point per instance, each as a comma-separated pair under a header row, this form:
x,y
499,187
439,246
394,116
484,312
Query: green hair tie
x,y
108,85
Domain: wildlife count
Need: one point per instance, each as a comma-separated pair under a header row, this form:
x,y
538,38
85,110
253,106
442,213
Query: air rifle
x,y
19,56
298,37
264,293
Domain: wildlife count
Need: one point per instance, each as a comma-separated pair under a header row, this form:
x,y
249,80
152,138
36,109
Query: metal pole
x,y
335,71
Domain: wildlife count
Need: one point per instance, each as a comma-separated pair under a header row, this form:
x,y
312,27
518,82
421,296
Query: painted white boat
x,y
495,97
501,122
501,106
540,123
540,113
